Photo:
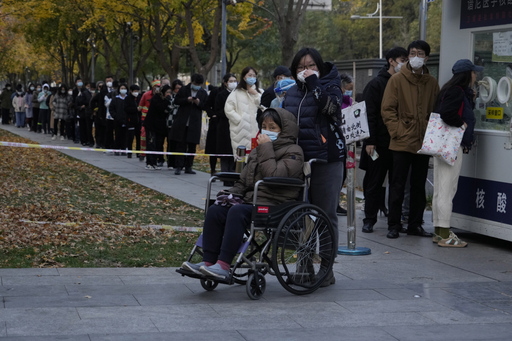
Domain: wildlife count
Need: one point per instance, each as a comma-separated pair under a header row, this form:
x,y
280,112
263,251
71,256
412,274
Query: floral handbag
x,y
441,140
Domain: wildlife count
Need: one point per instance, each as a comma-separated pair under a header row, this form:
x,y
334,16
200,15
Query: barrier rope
x,y
45,146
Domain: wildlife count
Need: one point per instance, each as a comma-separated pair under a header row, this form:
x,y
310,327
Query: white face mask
x,y
300,76
70,92
272,134
398,67
232,86
416,62
109,84
135,94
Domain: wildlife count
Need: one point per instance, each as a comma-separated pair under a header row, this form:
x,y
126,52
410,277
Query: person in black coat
x,y
186,129
211,136
172,110
133,114
155,125
223,144
82,97
118,111
378,142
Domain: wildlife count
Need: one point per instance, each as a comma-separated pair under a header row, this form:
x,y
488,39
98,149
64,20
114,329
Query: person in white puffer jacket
x,y
241,108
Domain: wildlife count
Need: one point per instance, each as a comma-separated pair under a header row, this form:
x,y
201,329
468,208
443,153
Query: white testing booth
x,y
481,31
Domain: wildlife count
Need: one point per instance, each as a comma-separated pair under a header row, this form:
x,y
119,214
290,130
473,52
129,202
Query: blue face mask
x,y
79,84
195,87
251,80
272,134
348,93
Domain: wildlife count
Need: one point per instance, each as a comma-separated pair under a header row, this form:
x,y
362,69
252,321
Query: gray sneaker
x,y
214,271
192,267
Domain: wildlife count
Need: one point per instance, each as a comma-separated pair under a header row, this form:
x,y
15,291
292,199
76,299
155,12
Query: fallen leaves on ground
x,y
49,200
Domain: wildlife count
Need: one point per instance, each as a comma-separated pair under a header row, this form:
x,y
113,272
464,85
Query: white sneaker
x,y
150,167
452,241
62,138
54,137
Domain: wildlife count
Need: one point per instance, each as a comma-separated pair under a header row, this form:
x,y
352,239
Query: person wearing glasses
x,y
316,102
408,100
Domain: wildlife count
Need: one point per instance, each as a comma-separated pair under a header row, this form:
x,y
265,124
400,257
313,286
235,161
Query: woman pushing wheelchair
x,y
277,155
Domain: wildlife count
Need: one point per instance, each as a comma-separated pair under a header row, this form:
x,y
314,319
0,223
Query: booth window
x,y
493,108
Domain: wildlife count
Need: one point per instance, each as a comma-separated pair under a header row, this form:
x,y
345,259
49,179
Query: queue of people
x,y
399,101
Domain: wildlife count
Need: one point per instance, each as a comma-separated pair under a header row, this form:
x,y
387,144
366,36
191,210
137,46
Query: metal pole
x,y
351,249
92,61
223,40
423,19
380,29
131,56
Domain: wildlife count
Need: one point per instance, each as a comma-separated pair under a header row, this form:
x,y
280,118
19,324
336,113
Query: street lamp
x,y
372,16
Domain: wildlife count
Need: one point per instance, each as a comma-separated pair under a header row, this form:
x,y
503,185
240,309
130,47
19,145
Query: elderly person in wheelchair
x,y
277,155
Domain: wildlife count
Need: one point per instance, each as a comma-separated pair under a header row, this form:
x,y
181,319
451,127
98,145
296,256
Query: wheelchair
x,y
293,241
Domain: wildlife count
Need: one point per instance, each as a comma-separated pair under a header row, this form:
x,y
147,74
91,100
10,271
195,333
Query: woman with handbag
x,y
455,104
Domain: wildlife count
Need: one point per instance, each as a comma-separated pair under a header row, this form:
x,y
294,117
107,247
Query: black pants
x,y
44,119
184,147
372,183
418,164
171,147
223,231
86,137
35,119
99,131
70,129
5,116
56,128
121,136
109,134
153,141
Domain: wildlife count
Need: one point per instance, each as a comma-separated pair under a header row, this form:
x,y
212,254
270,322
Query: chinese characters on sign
x,y
479,13
494,113
483,199
354,123
501,202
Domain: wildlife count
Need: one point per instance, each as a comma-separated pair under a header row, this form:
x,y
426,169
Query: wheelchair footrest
x,y
191,274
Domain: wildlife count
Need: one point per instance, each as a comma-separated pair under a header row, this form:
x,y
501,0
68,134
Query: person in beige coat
x,y
241,108
277,155
408,100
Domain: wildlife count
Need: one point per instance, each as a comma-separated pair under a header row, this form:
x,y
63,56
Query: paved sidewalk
x,y
407,289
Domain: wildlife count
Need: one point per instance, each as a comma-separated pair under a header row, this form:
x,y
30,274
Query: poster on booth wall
x,y
354,123
502,47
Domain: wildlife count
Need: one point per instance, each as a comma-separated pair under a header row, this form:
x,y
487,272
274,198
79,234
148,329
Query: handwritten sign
x,y
354,124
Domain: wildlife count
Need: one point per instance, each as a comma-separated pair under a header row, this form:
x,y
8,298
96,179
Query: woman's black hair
x,y
462,79
65,88
243,84
315,55
134,87
345,80
270,113
176,82
227,76
123,84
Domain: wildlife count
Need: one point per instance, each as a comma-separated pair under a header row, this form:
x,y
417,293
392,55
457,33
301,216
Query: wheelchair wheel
x,y
303,249
256,287
208,284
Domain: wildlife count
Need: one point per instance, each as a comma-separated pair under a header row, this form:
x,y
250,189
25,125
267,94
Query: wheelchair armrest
x,y
229,176
283,180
